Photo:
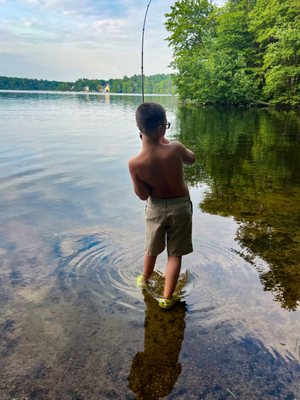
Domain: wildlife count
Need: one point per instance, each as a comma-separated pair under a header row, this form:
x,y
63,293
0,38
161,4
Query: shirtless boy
x,y
157,175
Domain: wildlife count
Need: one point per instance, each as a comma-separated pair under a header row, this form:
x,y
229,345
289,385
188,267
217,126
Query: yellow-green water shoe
x,y
168,303
140,282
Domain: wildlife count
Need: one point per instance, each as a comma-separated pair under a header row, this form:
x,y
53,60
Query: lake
x,y
72,323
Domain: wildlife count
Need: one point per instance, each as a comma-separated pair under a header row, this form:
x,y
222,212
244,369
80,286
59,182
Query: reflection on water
x,y
155,371
72,322
250,161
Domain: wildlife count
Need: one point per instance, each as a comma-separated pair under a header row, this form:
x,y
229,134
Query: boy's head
x,y
149,116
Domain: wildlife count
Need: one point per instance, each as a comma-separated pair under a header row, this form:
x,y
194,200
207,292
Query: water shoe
x,y
168,303
140,282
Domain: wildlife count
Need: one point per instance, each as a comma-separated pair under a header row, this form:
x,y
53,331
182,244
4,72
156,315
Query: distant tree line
x,y
7,83
240,53
155,84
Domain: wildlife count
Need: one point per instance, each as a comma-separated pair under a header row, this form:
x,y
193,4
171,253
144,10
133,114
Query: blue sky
x,y
70,39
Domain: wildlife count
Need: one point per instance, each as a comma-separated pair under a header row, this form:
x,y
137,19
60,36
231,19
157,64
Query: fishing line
x,y
142,55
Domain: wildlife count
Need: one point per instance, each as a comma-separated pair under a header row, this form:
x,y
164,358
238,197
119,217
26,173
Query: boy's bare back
x,y
158,169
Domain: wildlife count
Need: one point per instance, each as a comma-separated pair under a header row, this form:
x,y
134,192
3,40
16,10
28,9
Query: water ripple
x,y
108,268
95,261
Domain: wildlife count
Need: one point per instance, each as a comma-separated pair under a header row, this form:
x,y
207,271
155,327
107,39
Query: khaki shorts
x,y
169,221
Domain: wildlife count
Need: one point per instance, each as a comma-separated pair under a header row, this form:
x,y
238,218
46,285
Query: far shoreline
x,y
84,93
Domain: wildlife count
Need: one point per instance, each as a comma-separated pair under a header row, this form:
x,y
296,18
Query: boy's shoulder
x,y
177,146
134,161
187,156
176,143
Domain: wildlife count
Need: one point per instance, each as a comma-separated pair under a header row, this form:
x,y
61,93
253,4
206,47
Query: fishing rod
x,y
142,60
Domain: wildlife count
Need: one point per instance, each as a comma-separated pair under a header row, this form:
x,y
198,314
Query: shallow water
x,y
72,323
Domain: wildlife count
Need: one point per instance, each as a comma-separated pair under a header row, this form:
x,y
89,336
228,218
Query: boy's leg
x,y
149,264
171,276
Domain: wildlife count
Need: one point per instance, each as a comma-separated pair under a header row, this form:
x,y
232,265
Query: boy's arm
x,y
188,157
142,190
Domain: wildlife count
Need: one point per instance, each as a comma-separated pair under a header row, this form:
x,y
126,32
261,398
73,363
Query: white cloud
x,y
67,39
109,26
32,2
80,8
29,22
68,13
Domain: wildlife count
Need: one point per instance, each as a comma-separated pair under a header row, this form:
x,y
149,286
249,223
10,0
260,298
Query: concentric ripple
x,y
103,266
107,268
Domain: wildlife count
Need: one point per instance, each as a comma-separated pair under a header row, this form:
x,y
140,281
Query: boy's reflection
x,y
155,371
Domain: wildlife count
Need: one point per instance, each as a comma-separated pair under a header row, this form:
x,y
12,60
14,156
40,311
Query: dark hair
x,y
148,116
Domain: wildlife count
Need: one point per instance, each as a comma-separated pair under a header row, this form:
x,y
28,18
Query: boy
x,y
157,175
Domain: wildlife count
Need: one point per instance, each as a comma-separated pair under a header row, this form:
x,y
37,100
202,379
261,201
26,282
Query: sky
x,y
66,40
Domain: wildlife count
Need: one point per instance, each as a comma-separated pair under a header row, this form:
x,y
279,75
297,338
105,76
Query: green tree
x,y
191,25
276,24
213,51
240,53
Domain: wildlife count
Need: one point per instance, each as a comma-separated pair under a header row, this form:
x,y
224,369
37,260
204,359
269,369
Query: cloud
x,y
79,7
67,39
30,22
109,26
68,13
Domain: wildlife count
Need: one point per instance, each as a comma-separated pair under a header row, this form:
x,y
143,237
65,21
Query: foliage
x,y
32,84
277,27
93,85
245,51
155,84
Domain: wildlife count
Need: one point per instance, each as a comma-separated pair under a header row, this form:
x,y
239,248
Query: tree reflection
x,y
250,161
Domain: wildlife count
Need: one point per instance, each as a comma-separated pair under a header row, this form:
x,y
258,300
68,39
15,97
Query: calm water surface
x,y
72,323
